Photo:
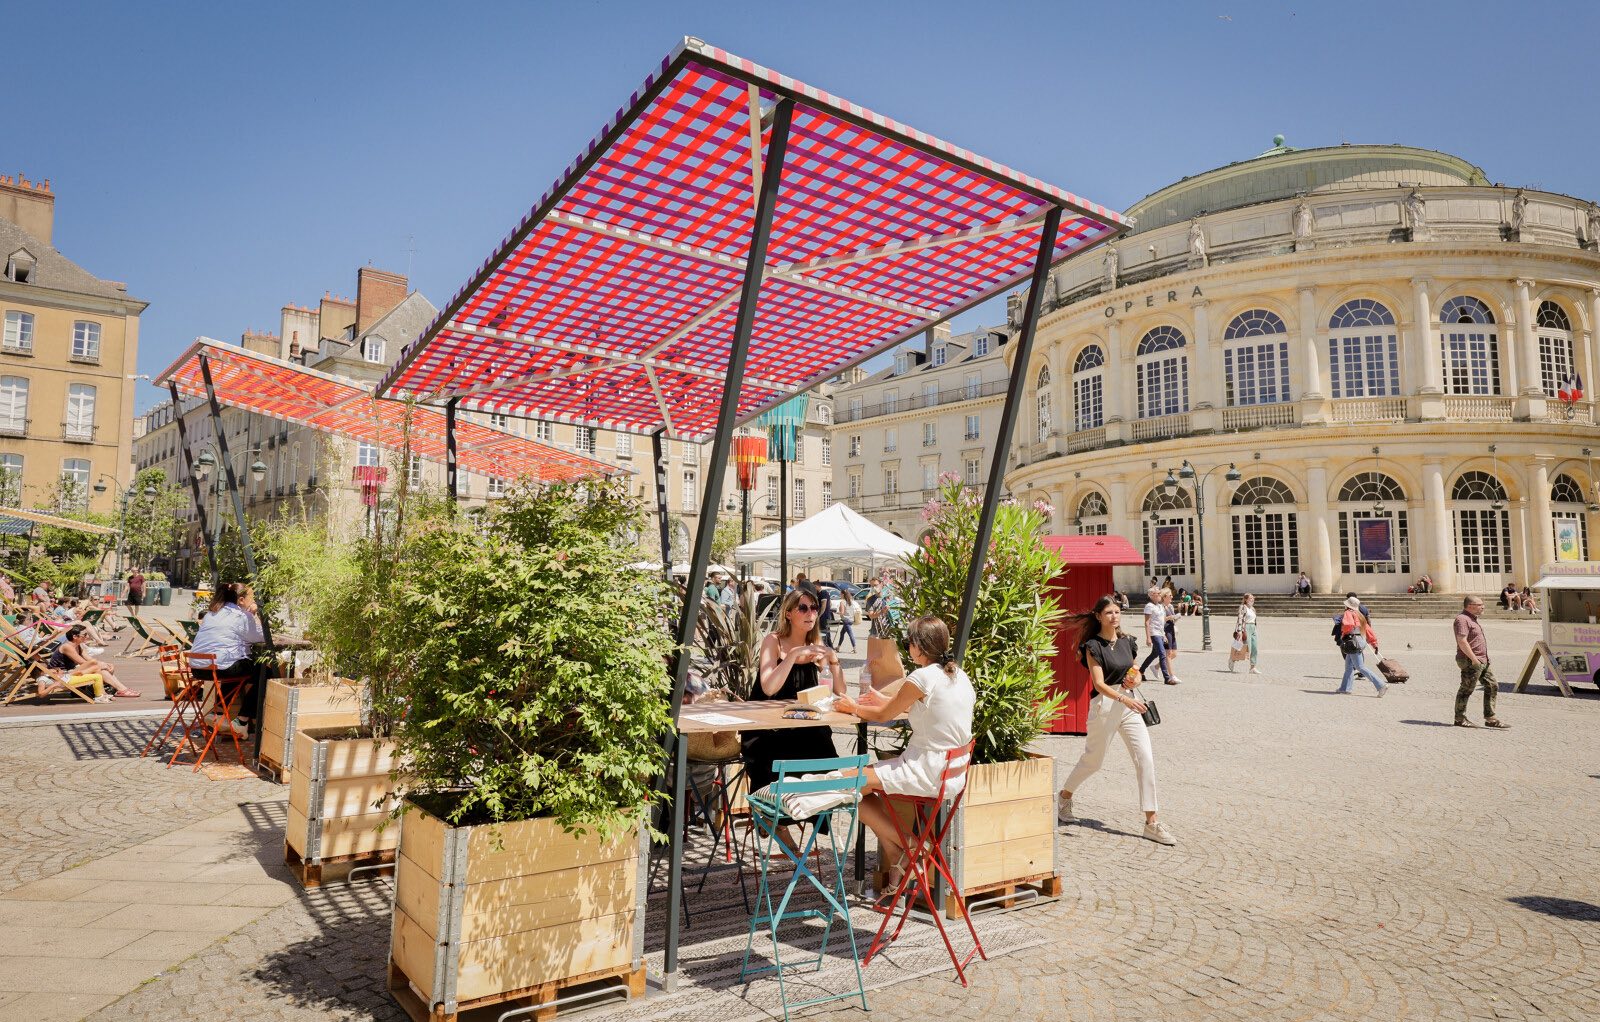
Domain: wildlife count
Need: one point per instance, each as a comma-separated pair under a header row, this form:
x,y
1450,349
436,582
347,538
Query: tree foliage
x,y
150,524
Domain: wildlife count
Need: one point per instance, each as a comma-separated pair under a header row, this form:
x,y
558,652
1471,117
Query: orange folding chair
x,y
215,715
184,692
925,861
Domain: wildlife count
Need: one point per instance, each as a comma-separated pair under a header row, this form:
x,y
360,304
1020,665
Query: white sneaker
x,y
1064,809
1255,670
1159,833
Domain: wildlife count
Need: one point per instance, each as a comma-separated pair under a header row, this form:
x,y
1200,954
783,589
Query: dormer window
x,y
939,355
902,364
19,266
372,348
980,346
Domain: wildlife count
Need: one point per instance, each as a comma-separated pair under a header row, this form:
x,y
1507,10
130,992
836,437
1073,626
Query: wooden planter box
x,y
289,707
339,796
1004,835
523,912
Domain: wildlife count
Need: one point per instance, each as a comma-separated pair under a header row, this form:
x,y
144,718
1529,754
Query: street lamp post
x,y
1197,482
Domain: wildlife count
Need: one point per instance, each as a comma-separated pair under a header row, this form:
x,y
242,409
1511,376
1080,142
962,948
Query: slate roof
x,y
54,270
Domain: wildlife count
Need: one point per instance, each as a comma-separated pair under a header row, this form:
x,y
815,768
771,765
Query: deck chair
x,y
26,669
183,639
141,637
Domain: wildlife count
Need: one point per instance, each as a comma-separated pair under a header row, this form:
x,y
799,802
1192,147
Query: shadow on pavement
x,y
107,739
342,969
1561,908
1428,723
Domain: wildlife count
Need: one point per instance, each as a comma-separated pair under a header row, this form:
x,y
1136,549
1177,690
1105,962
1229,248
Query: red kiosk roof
x,y
613,303
282,390
1083,551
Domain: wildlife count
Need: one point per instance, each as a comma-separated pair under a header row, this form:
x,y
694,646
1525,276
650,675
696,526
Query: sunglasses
x,y
806,608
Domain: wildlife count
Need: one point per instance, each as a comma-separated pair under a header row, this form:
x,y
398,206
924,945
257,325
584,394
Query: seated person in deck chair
x,y
73,659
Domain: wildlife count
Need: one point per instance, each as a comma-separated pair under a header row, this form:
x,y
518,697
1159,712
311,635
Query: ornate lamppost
x,y
1197,483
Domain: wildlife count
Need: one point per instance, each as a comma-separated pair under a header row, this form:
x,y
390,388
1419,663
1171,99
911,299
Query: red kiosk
x,y
1084,579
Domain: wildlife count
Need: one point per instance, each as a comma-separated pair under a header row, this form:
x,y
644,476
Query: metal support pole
x,y
194,485
658,456
744,527
721,445
680,771
450,481
1008,425
244,538
1205,603
783,525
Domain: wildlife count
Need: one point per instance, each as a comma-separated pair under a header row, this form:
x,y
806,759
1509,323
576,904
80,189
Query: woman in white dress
x,y
937,699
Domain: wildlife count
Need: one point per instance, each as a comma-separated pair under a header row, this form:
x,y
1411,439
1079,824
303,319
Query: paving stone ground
x,y
1340,857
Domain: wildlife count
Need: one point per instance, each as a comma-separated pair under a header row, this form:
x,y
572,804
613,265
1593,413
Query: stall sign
x,y
1375,540
1574,569
1582,636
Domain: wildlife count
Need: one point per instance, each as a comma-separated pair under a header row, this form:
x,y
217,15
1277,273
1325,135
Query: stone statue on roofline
x,y
1110,265
1519,215
1198,259
1593,240
1051,298
1417,215
1014,310
1303,224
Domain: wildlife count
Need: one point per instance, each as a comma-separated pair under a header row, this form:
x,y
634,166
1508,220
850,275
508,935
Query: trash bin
x,y
166,595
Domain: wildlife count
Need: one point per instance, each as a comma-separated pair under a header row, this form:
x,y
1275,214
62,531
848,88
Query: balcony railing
x,y
91,358
1481,407
14,427
1086,440
915,401
78,432
1370,409
17,347
1582,412
1161,427
1258,416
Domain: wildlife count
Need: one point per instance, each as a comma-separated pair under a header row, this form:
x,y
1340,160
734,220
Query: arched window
x,y
1042,398
1168,527
1266,540
1093,514
1162,373
1374,529
1555,347
1363,352
1088,388
1470,347
1483,531
1255,359
1568,519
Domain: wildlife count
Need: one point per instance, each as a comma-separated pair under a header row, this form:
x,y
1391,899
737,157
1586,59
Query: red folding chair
x,y
185,693
215,716
925,860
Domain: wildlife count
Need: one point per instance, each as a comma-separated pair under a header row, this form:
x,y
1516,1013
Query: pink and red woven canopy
x,y
293,393
613,303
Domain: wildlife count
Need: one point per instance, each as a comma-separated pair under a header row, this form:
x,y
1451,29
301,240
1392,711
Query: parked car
x,y
854,589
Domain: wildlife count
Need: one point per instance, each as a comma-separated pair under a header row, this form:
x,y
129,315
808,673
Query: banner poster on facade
x,y
1169,544
1375,540
1569,543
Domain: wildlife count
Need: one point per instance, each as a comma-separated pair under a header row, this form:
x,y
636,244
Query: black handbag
x,y
1151,715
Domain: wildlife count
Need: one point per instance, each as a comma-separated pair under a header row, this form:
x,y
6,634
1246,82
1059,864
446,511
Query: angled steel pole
x,y
194,485
658,463
721,445
244,538
783,526
1008,424
450,451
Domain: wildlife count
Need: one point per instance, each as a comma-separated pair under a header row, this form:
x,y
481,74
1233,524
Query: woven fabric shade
x,y
749,454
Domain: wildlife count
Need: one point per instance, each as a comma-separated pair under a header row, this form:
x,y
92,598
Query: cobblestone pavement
x,y
1339,858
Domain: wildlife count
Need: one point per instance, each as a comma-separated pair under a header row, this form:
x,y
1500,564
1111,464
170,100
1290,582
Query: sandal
x,y
128,695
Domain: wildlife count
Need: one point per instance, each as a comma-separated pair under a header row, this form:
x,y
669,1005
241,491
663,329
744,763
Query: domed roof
x,y
1283,172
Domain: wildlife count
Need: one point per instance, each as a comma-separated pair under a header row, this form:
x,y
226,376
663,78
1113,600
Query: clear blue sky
x,y
226,158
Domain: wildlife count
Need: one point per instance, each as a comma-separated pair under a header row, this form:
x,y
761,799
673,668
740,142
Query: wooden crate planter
x,y
514,915
289,707
1004,835
339,795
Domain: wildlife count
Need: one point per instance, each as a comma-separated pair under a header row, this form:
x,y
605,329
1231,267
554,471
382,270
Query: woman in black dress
x,y
792,658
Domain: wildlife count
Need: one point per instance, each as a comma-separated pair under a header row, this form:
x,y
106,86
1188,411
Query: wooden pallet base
x,y
272,771
1047,885
310,873
401,990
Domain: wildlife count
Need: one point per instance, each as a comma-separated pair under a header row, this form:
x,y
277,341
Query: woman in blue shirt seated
x,y
228,631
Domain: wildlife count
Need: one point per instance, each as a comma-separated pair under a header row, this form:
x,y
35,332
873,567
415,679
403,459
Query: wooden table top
x,y
760,715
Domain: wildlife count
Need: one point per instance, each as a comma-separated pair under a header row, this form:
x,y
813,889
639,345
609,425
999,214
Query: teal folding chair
x,y
766,810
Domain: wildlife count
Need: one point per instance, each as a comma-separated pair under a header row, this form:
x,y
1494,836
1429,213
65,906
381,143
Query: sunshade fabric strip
x,y
613,302
61,523
292,393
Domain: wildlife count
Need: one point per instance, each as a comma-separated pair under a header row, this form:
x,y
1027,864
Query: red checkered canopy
x,y
293,393
613,303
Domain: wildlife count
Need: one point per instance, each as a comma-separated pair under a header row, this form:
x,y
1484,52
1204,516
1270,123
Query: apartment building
x,y
69,346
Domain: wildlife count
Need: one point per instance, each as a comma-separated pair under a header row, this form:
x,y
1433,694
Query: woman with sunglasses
x,y
792,658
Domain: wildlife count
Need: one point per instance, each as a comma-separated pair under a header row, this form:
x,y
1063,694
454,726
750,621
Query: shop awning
x,y
1568,582
613,303
293,393
1081,551
56,520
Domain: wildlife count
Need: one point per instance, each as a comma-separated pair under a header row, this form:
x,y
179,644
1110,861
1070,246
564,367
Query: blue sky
x,y
226,158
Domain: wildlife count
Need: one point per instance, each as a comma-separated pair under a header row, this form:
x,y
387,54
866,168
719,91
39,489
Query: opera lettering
x,y
1150,301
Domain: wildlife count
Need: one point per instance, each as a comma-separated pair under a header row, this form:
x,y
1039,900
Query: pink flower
x,y
1044,508
931,510
949,477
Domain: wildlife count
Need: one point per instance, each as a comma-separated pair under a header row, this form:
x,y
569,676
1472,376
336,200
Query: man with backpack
x,y
1353,633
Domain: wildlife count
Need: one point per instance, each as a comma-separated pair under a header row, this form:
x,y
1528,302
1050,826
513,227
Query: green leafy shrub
x,y
1013,631
533,661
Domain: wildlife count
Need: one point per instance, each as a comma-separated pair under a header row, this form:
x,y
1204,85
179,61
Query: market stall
x,y
1569,607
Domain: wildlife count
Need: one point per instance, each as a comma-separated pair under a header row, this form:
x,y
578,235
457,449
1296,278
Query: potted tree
x,y
535,672
1003,835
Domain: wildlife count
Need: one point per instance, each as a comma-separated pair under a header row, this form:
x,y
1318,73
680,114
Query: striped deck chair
x,y
145,641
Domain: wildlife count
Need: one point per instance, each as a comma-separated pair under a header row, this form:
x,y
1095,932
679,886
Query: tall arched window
x,y
1088,388
1555,347
1470,347
1568,519
1168,526
1162,373
1483,531
1042,398
1363,352
1266,534
1255,359
1093,515
1374,533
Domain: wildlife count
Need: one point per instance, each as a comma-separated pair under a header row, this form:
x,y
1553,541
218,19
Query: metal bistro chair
x,y
214,716
925,860
185,693
767,812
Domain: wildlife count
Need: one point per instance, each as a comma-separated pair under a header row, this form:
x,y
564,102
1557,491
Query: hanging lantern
x,y
783,425
749,454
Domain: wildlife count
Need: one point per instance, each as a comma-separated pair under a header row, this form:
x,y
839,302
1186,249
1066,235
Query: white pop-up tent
x,y
837,535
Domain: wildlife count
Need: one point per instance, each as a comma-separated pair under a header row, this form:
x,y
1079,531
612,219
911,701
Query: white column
x,y
1542,541
1219,534
1428,381
1313,405
1126,385
1436,515
1592,338
1205,373
1316,528
1117,525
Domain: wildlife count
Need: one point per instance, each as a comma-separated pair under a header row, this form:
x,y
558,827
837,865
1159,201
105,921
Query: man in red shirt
x,y
1472,657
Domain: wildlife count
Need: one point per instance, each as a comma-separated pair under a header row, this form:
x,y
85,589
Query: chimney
x,y
334,316
29,205
377,293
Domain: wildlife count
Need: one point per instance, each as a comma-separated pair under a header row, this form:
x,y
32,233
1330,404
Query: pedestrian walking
x,y
1169,624
1472,657
1114,709
136,590
849,610
1354,635
1244,635
825,599
1155,633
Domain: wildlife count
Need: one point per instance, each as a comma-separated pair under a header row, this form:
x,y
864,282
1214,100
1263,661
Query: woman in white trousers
x,y
1114,709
